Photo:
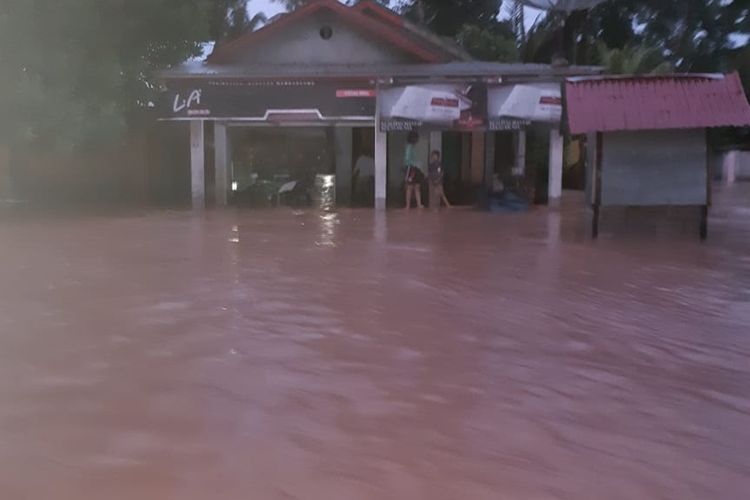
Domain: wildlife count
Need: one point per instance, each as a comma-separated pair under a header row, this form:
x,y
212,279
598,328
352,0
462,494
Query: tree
x,y
487,44
632,60
229,18
79,72
448,17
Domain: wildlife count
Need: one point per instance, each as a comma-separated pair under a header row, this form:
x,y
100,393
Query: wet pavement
x,y
312,356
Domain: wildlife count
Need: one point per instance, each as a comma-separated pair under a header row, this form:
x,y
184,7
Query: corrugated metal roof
x,y
455,69
606,104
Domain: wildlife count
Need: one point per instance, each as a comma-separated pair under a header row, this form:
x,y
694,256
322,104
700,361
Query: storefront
x,y
278,117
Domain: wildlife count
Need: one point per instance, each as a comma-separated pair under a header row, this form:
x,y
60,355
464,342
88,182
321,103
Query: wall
x,y
743,165
666,167
303,45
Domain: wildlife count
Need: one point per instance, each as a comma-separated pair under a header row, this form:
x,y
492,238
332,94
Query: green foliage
x,y
448,17
230,18
692,35
78,72
633,60
487,45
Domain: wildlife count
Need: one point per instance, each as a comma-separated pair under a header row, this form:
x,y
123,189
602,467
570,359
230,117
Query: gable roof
x,y
607,104
366,16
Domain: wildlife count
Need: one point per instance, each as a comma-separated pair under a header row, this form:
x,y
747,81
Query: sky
x,y
271,8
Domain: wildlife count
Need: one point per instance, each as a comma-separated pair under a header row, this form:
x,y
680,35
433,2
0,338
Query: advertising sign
x,y
435,107
269,100
524,103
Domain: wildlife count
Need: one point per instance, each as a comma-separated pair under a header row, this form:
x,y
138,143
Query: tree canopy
x,y
78,71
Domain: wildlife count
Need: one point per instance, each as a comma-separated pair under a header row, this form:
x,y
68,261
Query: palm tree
x,y
633,60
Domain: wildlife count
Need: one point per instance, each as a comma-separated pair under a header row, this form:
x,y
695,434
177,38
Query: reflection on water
x,y
328,223
352,355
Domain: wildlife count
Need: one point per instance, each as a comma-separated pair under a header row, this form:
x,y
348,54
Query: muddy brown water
x,y
303,355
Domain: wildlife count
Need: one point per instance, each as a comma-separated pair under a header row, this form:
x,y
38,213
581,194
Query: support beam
x,y
197,164
221,163
343,147
381,161
519,168
556,153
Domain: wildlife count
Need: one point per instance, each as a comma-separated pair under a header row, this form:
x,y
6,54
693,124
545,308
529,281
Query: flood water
x,y
355,356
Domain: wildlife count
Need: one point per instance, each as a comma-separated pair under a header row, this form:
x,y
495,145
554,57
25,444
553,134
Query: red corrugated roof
x,y
606,104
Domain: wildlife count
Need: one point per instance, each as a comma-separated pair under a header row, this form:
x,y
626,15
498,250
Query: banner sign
x,y
500,124
433,107
526,102
268,101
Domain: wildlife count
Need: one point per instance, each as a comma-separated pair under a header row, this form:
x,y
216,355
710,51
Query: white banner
x,y
530,102
426,103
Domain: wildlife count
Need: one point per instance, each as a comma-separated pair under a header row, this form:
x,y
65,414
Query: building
x,y
333,89
647,142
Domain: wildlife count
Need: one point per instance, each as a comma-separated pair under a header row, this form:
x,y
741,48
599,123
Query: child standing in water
x,y
414,175
437,178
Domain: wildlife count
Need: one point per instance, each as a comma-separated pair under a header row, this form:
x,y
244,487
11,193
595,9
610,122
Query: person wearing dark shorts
x,y
437,178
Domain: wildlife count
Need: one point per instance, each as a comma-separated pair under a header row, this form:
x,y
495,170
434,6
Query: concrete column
x,y
556,153
343,147
729,168
221,163
520,164
197,164
381,159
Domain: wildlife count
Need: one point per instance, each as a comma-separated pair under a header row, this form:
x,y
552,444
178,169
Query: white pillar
x,y
556,153
221,163
197,164
343,147
729,168
381,161
520,165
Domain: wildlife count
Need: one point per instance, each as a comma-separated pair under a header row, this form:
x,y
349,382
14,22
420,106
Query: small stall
x,y
647,137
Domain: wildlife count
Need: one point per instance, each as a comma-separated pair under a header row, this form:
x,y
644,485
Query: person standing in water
x,y
414,175
437,178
